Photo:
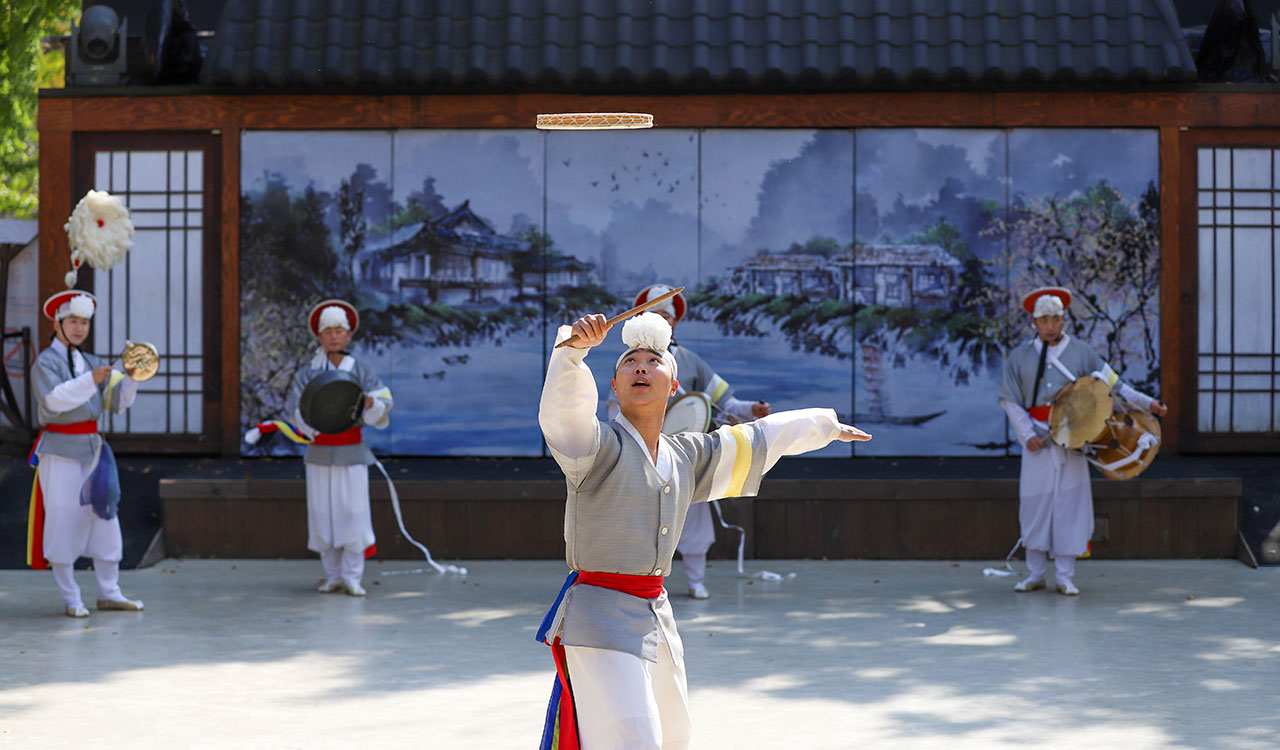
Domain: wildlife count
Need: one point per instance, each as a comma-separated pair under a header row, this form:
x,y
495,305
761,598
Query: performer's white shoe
x,y
79,611
127,605
329,586
1068,589
699,591
353,588
1029,584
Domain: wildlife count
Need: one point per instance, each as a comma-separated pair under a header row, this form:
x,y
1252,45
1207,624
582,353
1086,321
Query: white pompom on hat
x,y
649,332
1048,306
334,317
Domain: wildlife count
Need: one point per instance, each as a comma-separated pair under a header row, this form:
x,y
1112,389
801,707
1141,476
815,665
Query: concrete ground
x,y
848,654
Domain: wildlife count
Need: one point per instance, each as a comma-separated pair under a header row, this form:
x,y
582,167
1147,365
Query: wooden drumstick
x,y
633,311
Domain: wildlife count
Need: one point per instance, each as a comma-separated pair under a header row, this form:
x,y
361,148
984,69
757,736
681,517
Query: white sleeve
x,y
567,409
128,392
1135,397
374,413
1020,419
789,433
740,410
71,393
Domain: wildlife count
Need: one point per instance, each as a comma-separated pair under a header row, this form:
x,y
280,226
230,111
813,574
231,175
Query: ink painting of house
x,y
455,259
917,276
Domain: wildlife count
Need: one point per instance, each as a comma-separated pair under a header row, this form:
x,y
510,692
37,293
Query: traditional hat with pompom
x,y
333,313
649,332
99,232
1046,301
70,302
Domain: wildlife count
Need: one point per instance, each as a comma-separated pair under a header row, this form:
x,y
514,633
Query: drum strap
x,y
1044,353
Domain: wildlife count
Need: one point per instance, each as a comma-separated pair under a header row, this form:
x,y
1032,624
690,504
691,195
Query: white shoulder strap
x,y
1058,364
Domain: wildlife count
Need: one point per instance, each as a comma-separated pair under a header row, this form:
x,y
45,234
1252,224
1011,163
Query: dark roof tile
x,y
703,44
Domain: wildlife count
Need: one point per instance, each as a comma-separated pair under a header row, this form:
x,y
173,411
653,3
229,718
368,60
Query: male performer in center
x,y
339,525
1055,499
79,488
619,657
696,375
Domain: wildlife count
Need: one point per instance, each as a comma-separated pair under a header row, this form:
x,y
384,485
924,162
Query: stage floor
x,y
848,654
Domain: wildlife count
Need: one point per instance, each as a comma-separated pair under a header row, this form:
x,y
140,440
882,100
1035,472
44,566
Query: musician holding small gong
x,y
1055,509
339,526
74,504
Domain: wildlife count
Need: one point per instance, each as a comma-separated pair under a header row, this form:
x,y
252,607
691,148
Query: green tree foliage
x,y
25,67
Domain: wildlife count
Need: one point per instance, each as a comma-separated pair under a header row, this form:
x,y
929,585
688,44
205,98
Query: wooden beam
x,y
1173,307
852,110
230,287
54,124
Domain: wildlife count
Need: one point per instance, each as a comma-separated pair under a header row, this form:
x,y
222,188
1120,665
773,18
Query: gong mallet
x,y
633,311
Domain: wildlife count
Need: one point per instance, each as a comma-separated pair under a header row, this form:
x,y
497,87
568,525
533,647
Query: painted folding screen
x,y
875,272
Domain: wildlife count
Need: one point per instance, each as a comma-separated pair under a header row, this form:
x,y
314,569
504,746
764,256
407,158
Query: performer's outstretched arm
x,y
739,455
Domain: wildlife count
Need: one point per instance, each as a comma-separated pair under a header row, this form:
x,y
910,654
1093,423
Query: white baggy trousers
x,y
72,530
624,702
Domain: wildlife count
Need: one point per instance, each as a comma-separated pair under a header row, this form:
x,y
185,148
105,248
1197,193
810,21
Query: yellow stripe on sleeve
x,y
719,387
384,394
112,382
741,461
1112,375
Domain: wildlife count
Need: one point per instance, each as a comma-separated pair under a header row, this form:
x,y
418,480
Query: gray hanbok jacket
x,y
622,517
51,371
1020,373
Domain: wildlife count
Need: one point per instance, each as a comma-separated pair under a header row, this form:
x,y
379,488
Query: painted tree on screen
x,y
1106,250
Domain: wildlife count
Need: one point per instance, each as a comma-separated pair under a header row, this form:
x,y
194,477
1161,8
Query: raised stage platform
x,y
817,509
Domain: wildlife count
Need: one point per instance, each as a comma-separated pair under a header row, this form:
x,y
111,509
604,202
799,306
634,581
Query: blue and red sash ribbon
x,y
284,428
1040,413
560,729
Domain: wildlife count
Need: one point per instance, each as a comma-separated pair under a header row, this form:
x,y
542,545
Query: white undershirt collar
x,y
663,465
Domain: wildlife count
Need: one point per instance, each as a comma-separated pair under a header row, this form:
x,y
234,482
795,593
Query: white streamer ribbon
x,y
1008,569
395,505
742,542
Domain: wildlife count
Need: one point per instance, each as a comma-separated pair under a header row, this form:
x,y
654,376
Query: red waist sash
x,y
348,437
1040,413
88,427
644,587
